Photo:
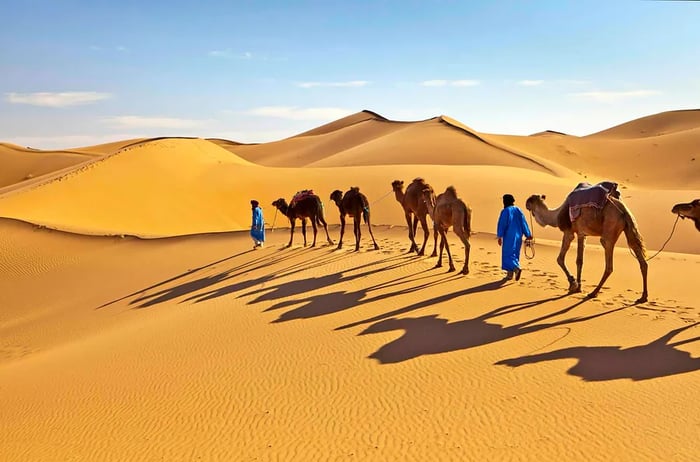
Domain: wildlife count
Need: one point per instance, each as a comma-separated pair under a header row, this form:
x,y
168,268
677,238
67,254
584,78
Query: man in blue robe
x,y
512,226
257,227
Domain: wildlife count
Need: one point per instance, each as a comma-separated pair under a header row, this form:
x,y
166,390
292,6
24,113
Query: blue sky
x,y
76,73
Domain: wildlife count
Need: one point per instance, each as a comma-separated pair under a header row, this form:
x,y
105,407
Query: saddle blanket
x,y
588,195
301,195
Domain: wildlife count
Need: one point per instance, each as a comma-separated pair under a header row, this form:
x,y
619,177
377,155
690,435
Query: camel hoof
x,y
376,247
642,299
340,246
591,295
438,265
451,270
465,271
434,254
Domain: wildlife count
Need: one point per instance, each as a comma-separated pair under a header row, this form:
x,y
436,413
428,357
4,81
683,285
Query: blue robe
x,y
257,227
511,228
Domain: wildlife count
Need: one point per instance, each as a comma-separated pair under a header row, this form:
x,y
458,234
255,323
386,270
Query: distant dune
x,y
663,123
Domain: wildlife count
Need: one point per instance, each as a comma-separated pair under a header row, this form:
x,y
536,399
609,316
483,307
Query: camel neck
x,y
546,216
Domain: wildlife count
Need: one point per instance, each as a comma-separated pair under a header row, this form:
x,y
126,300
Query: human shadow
x,y
432,335
658,358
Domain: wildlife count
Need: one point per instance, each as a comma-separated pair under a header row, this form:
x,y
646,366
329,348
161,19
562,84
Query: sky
x,y
83,72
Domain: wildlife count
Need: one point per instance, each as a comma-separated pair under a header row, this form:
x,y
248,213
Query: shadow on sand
x,y
658,358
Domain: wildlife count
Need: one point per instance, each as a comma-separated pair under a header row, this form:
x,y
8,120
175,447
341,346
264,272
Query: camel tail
x,y
467,220
365,208
634,239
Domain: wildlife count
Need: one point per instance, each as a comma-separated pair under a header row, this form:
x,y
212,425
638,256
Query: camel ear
x,y
543,197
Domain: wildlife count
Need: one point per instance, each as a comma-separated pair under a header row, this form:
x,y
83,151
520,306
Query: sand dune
x,y
192,346
663,123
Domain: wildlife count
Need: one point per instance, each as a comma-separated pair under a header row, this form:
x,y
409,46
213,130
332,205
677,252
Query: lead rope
x,y
530,244
664,245
381,198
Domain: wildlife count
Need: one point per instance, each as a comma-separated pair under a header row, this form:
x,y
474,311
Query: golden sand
x,y
190,345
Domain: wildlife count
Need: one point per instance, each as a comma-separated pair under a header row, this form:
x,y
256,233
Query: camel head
x,y
280,204
397,185
337,196
535,201
690,210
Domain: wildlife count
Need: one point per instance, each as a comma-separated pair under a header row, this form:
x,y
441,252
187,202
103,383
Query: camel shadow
x,y
428,335
493,285
297,287
658,358
174,278
320,305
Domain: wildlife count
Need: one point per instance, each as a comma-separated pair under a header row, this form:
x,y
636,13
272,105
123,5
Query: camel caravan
x,y
588,210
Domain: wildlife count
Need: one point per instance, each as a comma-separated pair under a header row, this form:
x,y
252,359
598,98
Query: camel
x,y
448,210
355,204
309,207
608,223
690,210
414,207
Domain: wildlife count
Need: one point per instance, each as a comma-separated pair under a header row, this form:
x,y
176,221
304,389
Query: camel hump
x,y
419,180
355,189
451,192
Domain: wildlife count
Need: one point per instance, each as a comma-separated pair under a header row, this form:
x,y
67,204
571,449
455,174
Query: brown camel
x,y
448,210
690,210
309,207
608,223
355,204
414,208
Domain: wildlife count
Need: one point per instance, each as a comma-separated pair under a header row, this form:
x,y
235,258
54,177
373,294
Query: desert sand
x,y
138,323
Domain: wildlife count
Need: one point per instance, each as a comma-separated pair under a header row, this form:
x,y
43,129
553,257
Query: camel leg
x,y
643,266
369,226
303,229
561,260
342,230
411,232
325,227
314,227
291,232
358,234
435,232
442,247
426,234
609,246
449,254
467,248
635,243
580,246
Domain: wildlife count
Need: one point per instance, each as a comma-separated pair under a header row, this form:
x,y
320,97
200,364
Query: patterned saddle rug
x,y
588,195
300,196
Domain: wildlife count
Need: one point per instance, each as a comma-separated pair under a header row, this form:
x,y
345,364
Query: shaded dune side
x,y
654,125
154,188
301,151
437,141
668,161
369,139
